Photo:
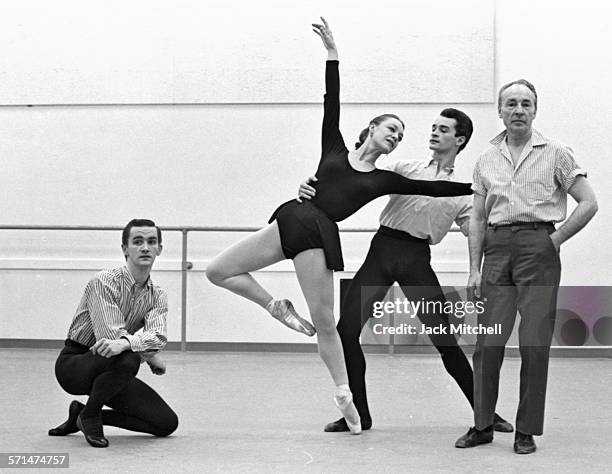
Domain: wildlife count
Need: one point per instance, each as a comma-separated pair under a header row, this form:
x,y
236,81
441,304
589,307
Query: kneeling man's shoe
x,y
524,443
69,426
93,431
475,437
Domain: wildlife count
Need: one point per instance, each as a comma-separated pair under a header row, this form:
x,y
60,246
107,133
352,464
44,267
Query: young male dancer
x,y
120,321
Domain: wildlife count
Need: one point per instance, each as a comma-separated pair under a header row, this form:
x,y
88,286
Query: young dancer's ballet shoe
x,y
283,311
93,431
501,425
340,426
344,401
69,426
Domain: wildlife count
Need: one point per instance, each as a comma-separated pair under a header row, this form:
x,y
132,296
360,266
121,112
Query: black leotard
x,y
342,190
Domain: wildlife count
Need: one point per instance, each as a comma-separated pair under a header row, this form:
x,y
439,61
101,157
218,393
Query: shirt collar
x,y
537,139
449,169
129,278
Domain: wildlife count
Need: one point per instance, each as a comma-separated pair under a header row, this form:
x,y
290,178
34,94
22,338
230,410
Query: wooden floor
x,y
265,412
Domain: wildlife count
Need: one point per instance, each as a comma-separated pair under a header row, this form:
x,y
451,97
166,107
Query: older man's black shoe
x,y
340,425
69,426
501,425
524,443
475,437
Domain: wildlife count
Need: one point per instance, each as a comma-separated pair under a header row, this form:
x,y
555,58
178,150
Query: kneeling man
x,y
120,322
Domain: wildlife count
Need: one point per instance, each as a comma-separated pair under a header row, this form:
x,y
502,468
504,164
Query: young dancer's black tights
x,y
135,406
395,256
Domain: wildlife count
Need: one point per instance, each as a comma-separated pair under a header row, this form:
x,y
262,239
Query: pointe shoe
x,y
283,311
344,401
69,426
92,429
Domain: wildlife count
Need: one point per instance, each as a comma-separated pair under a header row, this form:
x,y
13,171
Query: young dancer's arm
x,y
153,335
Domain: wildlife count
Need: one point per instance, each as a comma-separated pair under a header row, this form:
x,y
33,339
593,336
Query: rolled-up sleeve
x,y
463,213
152,337
477,181
566,168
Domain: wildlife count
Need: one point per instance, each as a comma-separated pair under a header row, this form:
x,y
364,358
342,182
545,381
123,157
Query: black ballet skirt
x,y
341,190
304,226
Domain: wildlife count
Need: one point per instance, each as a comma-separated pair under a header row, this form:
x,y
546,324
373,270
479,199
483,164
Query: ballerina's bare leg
x,y
230,269
317,284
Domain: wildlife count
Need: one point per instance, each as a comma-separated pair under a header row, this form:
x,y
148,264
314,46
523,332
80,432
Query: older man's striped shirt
x,y
533,190
113,306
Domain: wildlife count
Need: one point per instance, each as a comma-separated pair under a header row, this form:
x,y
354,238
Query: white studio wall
x,y
84,59
561,47
125,125
189,52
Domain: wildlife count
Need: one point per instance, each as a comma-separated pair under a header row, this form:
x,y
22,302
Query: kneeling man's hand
x,y
110,347
156,364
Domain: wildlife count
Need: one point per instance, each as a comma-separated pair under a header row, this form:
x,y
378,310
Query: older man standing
x,y
520,191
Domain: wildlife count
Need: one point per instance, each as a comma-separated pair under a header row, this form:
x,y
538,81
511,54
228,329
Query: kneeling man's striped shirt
x,y
114,307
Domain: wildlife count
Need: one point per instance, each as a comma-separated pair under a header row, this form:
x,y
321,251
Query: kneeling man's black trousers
x,y
135,406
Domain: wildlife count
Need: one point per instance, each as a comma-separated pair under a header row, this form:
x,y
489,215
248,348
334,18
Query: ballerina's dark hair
x,y
375,121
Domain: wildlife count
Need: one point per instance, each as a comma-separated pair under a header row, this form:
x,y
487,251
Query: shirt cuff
x,y
571,178
479,189
135,343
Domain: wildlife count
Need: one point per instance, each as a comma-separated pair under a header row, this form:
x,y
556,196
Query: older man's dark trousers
x,y
521,271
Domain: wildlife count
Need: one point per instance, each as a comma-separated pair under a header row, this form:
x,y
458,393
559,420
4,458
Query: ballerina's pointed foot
x,y
283,311
344,401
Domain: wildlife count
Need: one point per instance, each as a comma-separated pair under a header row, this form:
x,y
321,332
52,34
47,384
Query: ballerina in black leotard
x,y
307,232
